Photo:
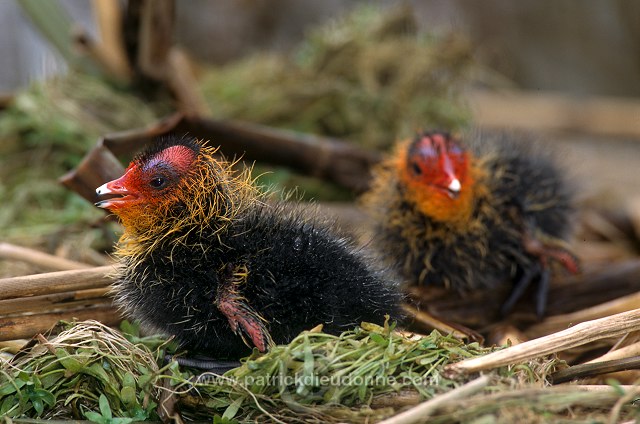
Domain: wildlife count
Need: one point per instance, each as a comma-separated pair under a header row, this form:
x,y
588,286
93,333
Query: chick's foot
x,y
547,250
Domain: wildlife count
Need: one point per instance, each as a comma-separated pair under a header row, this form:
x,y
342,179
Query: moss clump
x,y
44,133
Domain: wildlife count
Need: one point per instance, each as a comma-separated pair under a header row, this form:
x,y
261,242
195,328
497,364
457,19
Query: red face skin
x,y
147,182
436,172
436,160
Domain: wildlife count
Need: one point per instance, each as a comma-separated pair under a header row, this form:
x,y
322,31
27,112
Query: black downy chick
x,y
473,214
205,259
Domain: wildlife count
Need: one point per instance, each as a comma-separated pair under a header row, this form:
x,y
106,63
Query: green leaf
x,y
38,405
95,417
105,409
224,420
11,386
232,409
9,403
70,362
128,395
379,339
96,370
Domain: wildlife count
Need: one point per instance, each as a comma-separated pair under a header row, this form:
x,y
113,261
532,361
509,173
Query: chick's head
x,y
435,171
173,184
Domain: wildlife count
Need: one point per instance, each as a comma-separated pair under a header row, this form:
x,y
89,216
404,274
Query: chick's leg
x,y
547,249
243,319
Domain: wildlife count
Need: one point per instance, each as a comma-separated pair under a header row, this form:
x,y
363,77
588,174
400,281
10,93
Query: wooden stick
x,y
184,86
45,302
421,412
39,259
327,158
55,282
593,369
578,335
25,326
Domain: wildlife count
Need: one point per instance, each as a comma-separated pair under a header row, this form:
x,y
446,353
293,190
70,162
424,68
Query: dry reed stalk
x,y
55,282
578,335
108,15
39,259
421,412
593,369
560,322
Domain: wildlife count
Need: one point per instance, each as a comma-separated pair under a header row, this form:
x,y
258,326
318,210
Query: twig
x,y
55,282
458,331
578,335
424,410
39,259
593,369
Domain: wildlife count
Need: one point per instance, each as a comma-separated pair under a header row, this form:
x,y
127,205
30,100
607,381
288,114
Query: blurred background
x,y
362,72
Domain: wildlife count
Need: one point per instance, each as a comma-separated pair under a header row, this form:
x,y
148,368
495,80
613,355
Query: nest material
x,y
323,377
65,377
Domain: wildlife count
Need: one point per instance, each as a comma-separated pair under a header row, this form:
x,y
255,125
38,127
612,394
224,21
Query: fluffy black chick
x,y
472,215
206,259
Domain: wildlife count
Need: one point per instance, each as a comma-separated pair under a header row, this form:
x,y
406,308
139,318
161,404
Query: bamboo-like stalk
x,y
421,412
578,335
55,282
108,16
25,326
623,352
66,300
39,259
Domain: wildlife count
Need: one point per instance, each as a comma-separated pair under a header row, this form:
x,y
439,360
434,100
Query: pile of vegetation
x,y
369,77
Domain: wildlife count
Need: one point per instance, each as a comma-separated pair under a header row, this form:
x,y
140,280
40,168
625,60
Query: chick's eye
x,y
158,182
416,168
